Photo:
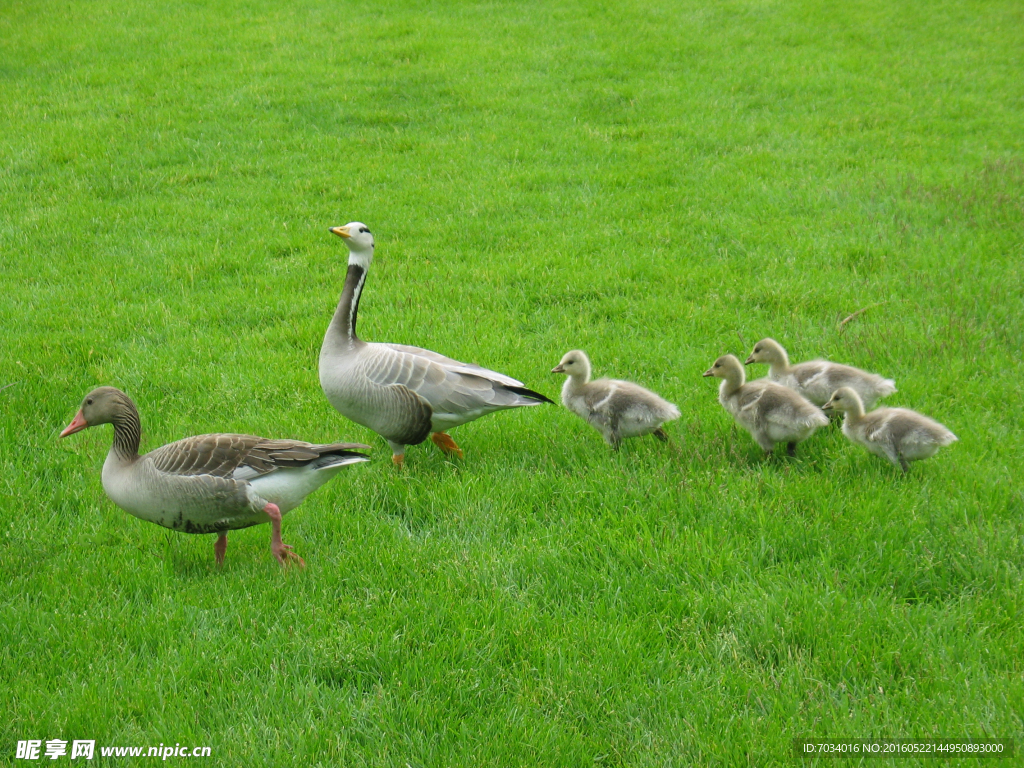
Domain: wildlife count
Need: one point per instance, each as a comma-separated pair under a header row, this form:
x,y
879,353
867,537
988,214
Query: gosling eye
x,y
89,401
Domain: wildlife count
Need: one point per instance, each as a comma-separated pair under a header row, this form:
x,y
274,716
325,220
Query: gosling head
x,y
359,241
844,399
725,367
575,363
767,351
103,405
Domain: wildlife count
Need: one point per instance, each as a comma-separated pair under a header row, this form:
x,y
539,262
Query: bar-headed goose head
x,y
359,241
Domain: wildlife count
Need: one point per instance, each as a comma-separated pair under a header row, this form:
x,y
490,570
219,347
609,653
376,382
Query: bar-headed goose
x,y
615,408
818,379
897,434
209,483
403,393
770,412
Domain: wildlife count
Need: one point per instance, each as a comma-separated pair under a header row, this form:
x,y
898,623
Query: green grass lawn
x,y
657,183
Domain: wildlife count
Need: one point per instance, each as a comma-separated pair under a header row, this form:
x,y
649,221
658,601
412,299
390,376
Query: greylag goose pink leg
x,y
283,552
220,547
446,444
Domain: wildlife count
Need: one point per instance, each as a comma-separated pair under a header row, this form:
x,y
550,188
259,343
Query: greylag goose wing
x,y
244,457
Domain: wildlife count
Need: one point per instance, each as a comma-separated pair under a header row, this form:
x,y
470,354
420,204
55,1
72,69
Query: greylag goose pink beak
x,y
77,425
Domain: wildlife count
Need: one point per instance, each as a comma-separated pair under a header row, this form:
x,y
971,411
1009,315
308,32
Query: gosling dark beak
x,y
558,369
77,425
827,406
749,360
708,372
340,231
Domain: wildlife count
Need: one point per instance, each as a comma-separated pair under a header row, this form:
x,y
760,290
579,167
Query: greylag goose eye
x,y
403,393
770,412
897,434
615,408
816,380
210,483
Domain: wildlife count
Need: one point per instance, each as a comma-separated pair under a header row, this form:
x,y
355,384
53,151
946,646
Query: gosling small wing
x,y
906,427
786,408
616,399
818,379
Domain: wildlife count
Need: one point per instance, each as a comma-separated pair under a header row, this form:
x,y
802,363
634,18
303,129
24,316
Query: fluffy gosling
x,y
818,379
770,412
617,409
897,434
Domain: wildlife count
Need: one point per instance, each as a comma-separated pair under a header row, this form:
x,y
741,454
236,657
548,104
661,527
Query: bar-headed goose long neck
x,y
341,333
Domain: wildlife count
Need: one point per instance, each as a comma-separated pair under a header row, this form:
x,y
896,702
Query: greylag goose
x,y
897,434
615,408
818,379
770,412
403,393
209,483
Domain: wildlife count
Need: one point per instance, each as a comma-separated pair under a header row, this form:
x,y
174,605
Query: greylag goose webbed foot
x,y
220,546
446,444
283,552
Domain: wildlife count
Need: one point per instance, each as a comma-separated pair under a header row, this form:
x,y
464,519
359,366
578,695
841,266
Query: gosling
x,y
897,434
770,412
818,379
617,409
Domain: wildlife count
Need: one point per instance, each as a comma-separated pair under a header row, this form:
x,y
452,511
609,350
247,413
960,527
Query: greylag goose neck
x,y
615,408
897,434
770,412
818,379
403,393
210,483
